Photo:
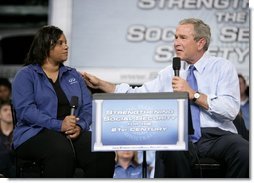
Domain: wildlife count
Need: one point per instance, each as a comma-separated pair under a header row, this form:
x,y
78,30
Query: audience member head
x,y
44,40
6,120
5,89
244,89
126,156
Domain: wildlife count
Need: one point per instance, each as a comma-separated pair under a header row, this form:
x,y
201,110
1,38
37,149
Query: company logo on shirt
x,y
72,81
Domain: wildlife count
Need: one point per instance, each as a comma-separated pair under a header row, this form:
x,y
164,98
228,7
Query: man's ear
x,y
201,43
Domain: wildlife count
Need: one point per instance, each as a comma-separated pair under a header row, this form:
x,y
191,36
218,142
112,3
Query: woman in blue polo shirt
x,y
45,130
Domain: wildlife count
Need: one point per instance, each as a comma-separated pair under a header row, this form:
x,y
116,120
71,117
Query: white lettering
x,y
192,4
164,53
238,17
221,4
244,35
238,54
242,53
175,3
138,33
232,34
153,34
228,34
146,4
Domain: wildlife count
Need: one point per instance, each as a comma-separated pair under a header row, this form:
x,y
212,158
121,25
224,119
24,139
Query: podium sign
x,y
140,121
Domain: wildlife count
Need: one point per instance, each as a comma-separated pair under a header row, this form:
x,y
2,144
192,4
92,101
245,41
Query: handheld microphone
x,y
73,104
176,65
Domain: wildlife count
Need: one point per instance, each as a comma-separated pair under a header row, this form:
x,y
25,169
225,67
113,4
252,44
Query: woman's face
x,y
60,52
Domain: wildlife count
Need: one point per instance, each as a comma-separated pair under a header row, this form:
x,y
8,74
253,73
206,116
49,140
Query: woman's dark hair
x,y
44,40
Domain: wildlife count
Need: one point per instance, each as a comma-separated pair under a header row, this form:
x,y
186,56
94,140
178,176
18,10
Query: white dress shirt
x,y
216,77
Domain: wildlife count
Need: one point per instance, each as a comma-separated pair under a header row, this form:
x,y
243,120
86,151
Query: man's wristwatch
x,y
196,96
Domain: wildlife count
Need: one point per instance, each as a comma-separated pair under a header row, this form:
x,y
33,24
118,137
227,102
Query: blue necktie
x,y
195,110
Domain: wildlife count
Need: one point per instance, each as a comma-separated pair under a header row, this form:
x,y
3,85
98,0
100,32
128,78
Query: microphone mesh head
x,y
74,102
176,63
